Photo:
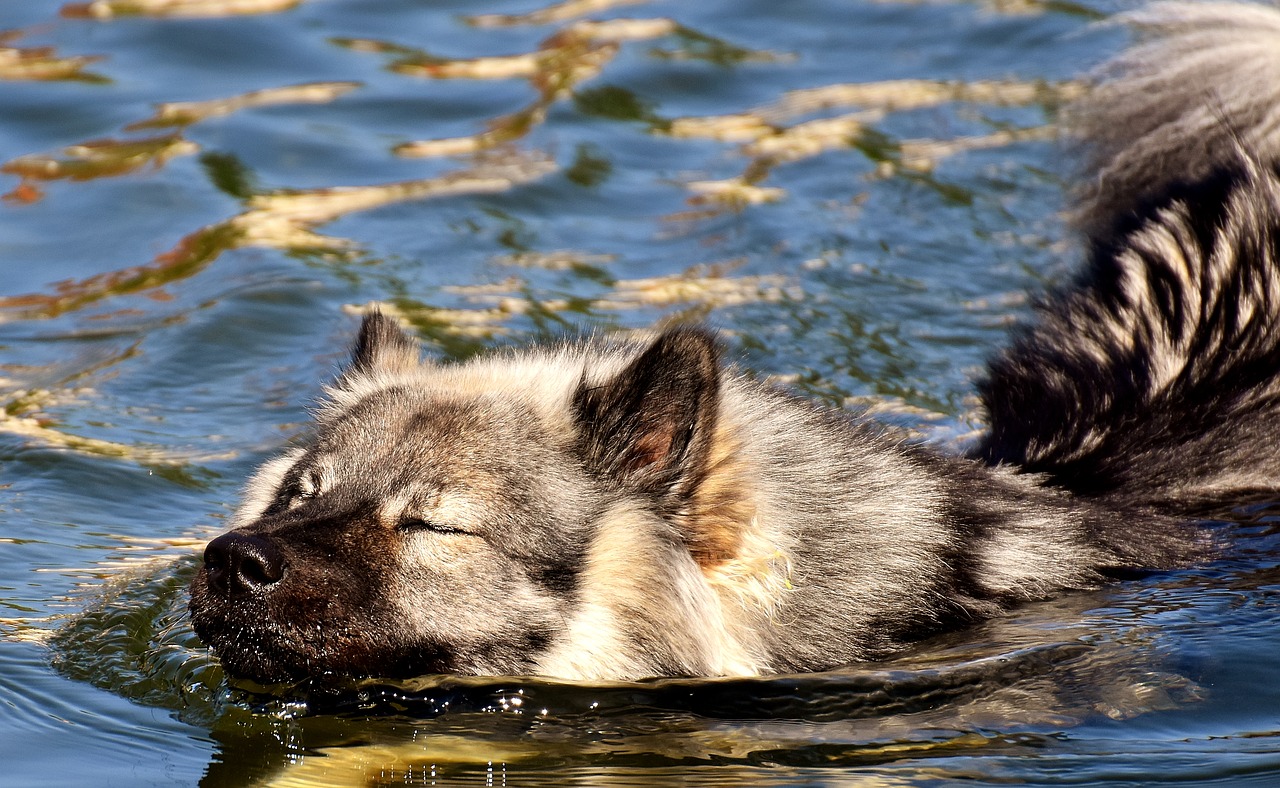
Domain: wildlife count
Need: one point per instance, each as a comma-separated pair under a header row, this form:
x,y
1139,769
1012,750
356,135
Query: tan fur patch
x,y
647,608
722,506
758,579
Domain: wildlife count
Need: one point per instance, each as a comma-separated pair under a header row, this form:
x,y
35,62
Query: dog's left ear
x,y
381,346
650,427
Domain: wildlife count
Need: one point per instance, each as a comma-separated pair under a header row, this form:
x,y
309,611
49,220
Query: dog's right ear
x,y
381,347
649,429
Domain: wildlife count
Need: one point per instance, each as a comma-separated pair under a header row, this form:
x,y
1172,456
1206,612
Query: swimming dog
x,y
615,510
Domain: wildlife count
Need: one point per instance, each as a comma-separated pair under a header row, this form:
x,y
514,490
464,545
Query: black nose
x,y
241,563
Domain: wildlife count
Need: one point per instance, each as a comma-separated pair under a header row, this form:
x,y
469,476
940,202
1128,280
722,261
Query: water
x,y
170,301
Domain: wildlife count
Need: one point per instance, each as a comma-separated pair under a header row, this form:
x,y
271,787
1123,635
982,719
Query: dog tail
x,y
1154,378
1202,88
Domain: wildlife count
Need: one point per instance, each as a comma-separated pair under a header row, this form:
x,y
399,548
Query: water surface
x,y
859,194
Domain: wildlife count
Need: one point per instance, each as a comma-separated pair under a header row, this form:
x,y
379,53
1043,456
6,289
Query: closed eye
x,y
416,524
296,493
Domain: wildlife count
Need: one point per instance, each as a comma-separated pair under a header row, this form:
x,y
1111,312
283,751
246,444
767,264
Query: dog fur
x,y
620,510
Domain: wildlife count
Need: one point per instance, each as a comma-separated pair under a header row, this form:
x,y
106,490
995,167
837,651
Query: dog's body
x,y
618,511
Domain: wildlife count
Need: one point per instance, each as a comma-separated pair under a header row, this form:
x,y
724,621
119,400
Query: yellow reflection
x,y
698,289
282,220
572,55
184,113
22,414
924,155
558,12
769,137
109,9
100,158
40,63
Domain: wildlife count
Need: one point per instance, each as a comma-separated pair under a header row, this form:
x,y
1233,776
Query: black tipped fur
x,y
1156,371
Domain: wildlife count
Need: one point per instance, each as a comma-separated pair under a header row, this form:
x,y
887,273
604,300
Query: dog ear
x,y
650,427
381,346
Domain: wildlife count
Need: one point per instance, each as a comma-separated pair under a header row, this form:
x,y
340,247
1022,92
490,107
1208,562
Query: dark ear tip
x,y
691,341
376,322
381,343
693,330
685,356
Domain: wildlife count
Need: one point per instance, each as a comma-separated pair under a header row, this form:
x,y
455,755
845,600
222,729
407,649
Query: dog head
x,y
447,518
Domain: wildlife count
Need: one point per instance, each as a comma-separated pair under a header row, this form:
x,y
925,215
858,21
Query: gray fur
x,y
605,510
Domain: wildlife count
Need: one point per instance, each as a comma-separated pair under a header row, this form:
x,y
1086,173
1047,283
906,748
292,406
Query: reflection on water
x,y
198,194
40,62
1016,685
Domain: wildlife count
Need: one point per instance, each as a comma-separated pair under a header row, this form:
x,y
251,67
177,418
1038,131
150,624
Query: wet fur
x,y
623,510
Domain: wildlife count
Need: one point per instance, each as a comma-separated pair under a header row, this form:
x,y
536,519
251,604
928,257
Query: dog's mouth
x,y
246,637
289,636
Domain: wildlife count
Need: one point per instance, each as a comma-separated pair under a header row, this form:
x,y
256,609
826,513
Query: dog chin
x,y
268,662
252,646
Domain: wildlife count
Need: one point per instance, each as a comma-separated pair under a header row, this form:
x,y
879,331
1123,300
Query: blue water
x,y
161,333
